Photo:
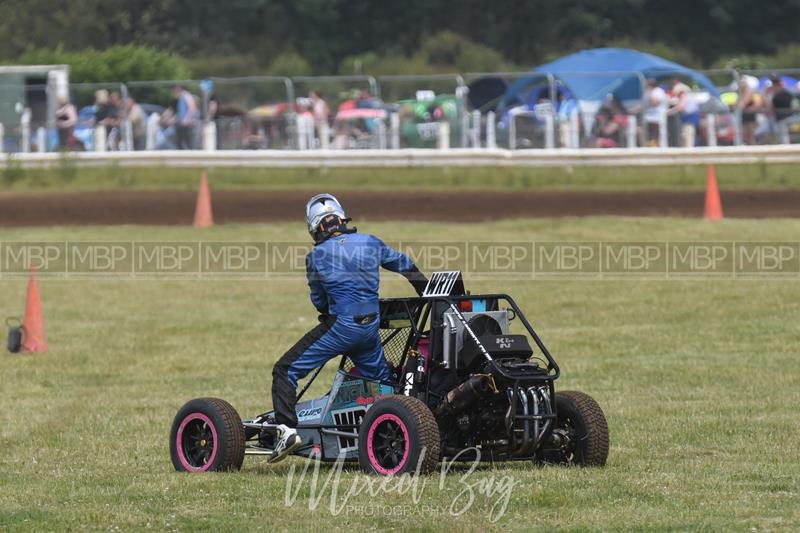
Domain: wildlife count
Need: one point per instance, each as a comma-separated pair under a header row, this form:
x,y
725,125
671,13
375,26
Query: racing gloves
x,y
416,278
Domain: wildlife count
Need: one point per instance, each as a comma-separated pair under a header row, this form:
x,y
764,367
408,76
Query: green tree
x,y
115,64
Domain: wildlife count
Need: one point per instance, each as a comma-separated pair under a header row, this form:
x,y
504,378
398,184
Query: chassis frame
x,y
329,436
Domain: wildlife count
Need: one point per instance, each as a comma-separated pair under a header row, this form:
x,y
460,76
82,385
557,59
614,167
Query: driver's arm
x,y
318,295
399,262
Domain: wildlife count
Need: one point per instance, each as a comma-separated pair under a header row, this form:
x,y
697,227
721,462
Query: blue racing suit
x,y
343,276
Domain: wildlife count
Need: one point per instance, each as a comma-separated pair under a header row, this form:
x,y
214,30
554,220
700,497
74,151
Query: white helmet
x,y
321,206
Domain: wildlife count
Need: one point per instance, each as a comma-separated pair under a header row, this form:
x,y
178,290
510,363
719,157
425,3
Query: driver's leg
x,y
313,350
367,354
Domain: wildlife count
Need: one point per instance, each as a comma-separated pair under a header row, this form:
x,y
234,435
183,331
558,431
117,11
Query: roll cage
x,y
406,321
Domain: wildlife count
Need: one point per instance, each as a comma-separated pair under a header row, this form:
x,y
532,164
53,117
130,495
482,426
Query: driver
x,y
343,275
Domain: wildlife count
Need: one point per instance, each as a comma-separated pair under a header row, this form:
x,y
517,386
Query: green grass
x,y
699,381
66,176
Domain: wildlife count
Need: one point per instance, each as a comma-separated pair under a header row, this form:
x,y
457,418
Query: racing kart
x,y
465,383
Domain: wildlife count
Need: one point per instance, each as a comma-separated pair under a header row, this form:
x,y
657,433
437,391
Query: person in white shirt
x,y
686,106
655,110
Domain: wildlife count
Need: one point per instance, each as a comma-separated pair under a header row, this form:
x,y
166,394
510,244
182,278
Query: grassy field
x,y
66,176
699,380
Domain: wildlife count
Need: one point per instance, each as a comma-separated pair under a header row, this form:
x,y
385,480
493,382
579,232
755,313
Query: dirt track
x,y
177,207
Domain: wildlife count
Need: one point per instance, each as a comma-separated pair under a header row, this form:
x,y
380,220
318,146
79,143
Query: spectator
x,y
321,112
66,119
102,108
186,116
366,101
749,107
165,136
782,100
610,124
688,111
341,136
138,122
655,109
115,112
305,123
114,120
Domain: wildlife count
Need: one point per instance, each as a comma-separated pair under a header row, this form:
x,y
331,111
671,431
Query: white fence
x,y
456,157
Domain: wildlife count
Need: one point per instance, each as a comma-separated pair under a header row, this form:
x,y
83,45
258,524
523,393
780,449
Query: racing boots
x,y
288,441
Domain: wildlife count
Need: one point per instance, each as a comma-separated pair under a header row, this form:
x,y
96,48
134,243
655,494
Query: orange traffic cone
x,y
713,203
203,217
33,339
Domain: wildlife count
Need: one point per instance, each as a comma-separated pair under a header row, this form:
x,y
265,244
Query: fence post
x,y
464,128
100,138
2,138
512,132
443,135
491,137
151,132
25,127
324,135
210,135
574,129
310,131
394,124
41,140
476,129
630,133
127,127
127,130
302,137
549,131
662,130
711,129
381,135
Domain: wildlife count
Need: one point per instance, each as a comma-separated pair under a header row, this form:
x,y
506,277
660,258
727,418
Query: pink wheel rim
x,y
179,443
388,417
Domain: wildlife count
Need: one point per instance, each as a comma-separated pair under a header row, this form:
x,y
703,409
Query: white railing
x,y
455,157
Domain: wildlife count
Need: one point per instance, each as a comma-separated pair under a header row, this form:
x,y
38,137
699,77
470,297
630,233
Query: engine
x,y
502,406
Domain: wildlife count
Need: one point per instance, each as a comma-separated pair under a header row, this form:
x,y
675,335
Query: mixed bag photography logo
x,y
459,487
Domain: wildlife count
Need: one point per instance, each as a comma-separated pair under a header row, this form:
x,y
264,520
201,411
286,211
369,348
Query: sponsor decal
x,y
368,400
504,342
307,414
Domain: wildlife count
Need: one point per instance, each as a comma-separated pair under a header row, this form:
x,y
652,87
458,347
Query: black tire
x,y
581,418
398,435
207,436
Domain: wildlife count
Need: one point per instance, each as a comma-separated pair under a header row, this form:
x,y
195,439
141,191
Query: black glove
x,y
417,279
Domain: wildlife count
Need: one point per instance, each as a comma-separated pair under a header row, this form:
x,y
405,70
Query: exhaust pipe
x,y
464,395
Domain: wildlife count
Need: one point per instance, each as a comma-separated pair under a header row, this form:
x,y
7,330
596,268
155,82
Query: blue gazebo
x,y
592,75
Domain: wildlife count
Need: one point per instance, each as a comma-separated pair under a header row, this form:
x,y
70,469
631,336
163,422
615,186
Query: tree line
x,y
299,37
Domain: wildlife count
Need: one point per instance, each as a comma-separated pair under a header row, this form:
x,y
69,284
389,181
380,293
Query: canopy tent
x,y
591,75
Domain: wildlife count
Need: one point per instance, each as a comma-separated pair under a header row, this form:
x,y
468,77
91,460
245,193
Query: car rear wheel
x,y
398,435
581,432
